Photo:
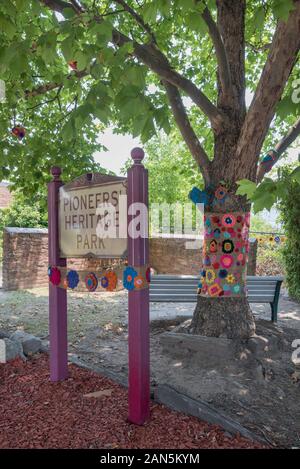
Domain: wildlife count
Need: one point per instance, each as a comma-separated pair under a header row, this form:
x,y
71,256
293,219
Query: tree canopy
x,y
72,67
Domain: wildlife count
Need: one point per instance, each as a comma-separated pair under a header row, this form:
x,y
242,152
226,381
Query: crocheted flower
x,y
129,275
237,288
227,246
220,193
228,220
73,279
210,276
112,280
226,260
104,281
230,278
213,246
91,282
223,273
139,282
18,131
207,261
54,275
199,197
215,290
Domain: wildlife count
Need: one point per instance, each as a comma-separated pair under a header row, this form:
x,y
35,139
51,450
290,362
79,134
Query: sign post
x,y
138,300
57,296
76,210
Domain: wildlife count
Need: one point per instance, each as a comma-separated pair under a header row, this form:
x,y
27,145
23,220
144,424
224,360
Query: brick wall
x,y
170,256
25,258
5,195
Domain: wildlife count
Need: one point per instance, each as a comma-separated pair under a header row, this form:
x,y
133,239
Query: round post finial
x,y
137,154
56,172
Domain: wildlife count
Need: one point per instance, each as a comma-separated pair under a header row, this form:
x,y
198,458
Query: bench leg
x,y
274,308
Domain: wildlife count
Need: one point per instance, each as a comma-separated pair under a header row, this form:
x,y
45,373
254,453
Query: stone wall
x,y
25,258
5,195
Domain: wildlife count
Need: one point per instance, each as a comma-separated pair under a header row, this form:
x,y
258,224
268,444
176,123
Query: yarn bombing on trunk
x,y
225,252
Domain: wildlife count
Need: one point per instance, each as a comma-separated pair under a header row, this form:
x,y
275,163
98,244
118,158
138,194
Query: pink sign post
x,y
138,300
57,296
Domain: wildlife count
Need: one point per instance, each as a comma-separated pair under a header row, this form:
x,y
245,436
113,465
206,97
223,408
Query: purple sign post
x,y
138,300
57,296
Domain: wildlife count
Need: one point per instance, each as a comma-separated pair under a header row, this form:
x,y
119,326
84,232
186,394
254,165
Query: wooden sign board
x,y
85,206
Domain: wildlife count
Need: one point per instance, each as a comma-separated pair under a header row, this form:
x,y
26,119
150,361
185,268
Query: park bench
x,y
183,289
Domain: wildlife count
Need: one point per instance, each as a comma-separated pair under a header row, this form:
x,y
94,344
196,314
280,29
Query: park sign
x,y
76,211
93,217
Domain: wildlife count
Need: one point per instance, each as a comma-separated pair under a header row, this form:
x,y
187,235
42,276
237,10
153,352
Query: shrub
x,y
290,216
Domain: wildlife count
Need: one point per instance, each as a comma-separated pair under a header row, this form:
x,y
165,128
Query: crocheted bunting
x,y
136,278
91,282
54,275
72,279
225,252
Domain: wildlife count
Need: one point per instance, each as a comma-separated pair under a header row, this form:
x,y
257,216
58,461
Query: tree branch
x,y
151,56
280,148
280,62
186,130
43,89
224,70
57,5
137,18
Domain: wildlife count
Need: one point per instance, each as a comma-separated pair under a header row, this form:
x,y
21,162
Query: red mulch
x,y
35,413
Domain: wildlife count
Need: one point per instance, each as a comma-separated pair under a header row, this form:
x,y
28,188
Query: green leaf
x,y
246,187
296,174
197,23
164,7
68,13
67,48
136,75
7,26
286,107
82,59
150,12
138,124
187,5
102,30
258,19
148,130
265,201
282,8
102,113
69,131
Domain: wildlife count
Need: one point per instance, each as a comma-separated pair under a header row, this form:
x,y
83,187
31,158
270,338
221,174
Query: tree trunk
x,y
223,317
222,307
